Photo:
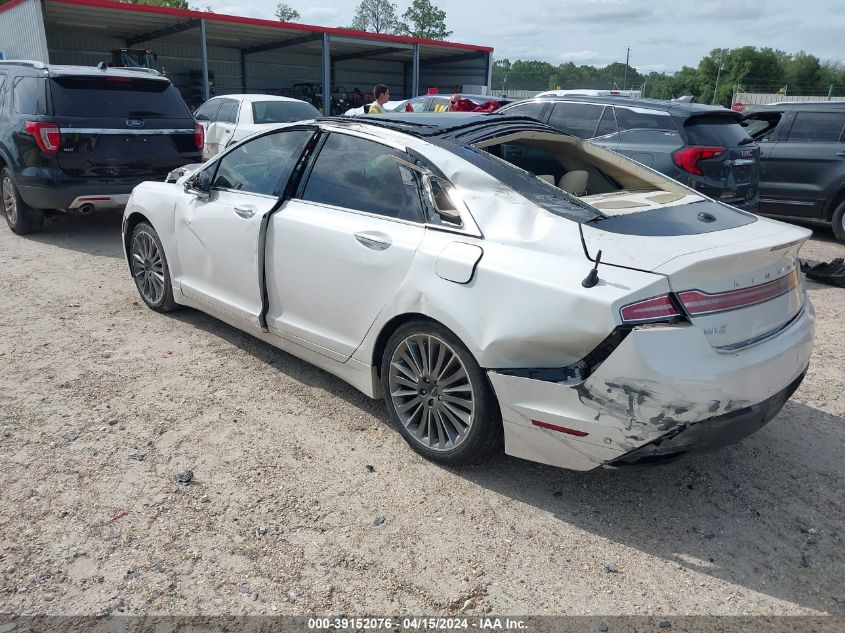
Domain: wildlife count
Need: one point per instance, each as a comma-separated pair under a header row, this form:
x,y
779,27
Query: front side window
x,y
439,104
817,127
578,119
30,95
263,165
355,173
208,110
2,83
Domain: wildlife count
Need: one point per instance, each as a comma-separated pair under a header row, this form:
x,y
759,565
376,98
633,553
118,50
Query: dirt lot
x,y
304,500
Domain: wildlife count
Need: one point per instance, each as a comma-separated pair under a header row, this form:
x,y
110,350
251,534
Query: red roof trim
x,y
237,19
11,4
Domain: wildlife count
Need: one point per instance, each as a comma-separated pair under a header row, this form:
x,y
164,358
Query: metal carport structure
x,y
243,54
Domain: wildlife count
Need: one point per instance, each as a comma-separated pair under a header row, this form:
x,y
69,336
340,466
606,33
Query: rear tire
x,y
149,268
20,217
838,222
438,396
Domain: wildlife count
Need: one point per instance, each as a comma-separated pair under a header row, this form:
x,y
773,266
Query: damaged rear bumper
x,y
709,435
664,390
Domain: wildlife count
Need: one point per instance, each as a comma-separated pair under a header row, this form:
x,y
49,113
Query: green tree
x,y
286,13
173,4
423,19
376,16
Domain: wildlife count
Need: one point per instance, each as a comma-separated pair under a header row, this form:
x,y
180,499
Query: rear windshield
x,y
715,130
114,96
282,111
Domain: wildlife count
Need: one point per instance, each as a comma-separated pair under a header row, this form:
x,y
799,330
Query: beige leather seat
x,y
547,178
574,182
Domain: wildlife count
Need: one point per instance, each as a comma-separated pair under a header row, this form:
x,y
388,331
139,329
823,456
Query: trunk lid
x,y
121,128
730,171
739,284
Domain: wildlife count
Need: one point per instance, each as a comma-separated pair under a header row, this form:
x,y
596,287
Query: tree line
x,y
714,80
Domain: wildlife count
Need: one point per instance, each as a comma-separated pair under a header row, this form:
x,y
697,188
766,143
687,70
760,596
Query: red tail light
x,y
689,157
655,309
46,135
199,136
697,303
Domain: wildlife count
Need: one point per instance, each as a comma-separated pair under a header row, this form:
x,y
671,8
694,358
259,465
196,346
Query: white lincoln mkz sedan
x,y
491,279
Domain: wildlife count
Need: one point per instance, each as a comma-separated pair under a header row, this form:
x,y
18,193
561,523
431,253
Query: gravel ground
x,y
304,500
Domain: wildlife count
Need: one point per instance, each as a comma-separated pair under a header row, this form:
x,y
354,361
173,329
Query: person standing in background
x,y
382,95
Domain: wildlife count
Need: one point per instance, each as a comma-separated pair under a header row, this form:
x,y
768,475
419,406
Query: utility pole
x,y
627,58
829,92
718,74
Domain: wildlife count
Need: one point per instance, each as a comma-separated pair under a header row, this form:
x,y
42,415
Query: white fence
x,y
760,98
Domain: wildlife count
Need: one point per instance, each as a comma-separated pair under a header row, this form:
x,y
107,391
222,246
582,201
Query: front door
x,y
218,236
801,169
340,251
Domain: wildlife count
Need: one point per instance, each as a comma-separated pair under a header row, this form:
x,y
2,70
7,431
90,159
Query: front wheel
x,y
149,269
838,222
438,396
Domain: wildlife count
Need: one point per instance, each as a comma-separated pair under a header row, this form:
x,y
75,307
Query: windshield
x,y
282,111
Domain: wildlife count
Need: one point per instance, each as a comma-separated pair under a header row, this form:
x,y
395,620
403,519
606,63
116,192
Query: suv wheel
x,y
838,222
20,217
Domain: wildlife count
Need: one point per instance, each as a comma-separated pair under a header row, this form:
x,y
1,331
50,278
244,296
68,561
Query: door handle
x,y
842,154
373,240
245,212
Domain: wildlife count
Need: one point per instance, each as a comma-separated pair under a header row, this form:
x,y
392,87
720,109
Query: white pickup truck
x,y
230,118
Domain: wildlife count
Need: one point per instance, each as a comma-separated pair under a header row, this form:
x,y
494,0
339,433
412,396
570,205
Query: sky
x,y
664,35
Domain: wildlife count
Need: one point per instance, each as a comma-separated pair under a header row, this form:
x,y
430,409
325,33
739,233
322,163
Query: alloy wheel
x,y
431,392
10,201
148,267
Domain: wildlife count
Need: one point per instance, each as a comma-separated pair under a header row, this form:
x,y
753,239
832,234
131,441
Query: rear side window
x,y
715,130
117,96
643,120
282,111
228,112
208,110
578,119
2,84
29,95
607,125
532,109
355,173
817,127
263,165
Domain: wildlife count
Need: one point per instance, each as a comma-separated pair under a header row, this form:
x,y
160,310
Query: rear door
x,y
338,252
806,164
117,128
647,136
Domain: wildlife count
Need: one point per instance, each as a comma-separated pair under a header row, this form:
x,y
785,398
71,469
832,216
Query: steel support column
x,y
204,57
243,73
415,72
327,78
490,73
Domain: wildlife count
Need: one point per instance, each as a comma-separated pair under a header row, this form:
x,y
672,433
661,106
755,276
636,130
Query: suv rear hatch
x,y
721,159
737,277
121,127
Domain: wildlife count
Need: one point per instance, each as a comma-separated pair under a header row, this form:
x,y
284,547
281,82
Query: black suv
x,y
701,146
802,172
78,139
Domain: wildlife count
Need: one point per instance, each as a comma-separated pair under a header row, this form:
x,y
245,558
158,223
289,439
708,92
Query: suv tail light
x,y
46,135
199,136
688,158
651,310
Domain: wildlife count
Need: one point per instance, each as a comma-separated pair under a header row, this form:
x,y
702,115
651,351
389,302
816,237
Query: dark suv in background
x,y
701,146
802,172
78,139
